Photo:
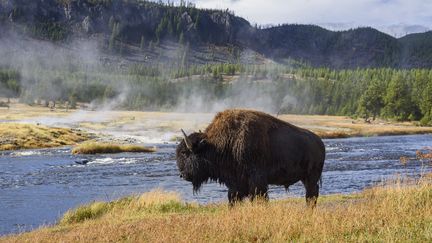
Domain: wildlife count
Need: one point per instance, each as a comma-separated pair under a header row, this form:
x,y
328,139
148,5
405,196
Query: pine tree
x,y
151,45
397,100
197,20
142,43
115,31
111,22
426,104
181,39
371,102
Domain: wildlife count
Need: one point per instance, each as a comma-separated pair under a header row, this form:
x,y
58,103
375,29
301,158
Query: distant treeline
x,y
387,93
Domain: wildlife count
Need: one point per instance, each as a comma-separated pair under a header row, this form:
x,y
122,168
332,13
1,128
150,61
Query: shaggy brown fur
x,y
248,150
244,132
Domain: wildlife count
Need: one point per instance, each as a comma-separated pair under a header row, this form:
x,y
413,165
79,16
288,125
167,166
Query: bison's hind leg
x,y
312,191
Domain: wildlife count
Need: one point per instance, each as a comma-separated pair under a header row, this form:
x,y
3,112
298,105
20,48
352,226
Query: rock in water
x,y
82,161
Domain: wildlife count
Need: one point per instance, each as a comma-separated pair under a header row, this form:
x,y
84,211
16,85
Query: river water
x,y
38,186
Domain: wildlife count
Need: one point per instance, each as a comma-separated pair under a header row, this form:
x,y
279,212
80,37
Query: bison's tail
x,y
320,181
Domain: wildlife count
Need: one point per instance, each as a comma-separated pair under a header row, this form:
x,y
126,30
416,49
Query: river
x,y
38,186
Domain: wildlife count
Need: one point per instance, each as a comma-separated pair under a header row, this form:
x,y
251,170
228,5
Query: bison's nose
x,y
181,176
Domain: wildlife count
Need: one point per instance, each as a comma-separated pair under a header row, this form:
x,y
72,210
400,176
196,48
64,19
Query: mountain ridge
x,y
128,25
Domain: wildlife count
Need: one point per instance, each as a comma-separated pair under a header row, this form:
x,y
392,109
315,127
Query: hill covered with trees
x,y
126,27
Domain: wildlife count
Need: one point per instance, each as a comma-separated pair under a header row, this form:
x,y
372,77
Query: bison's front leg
x,y
258,192
258,186
235,195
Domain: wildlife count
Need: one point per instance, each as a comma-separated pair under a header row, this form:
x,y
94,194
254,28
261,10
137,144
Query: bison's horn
x,y
186,139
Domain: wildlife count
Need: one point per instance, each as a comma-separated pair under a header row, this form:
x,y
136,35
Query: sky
x,y
395,17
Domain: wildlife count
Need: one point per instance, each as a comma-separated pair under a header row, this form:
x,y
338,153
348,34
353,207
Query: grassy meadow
x,y
396,212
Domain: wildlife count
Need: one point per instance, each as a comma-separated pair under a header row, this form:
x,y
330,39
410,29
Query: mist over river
x,y
38,186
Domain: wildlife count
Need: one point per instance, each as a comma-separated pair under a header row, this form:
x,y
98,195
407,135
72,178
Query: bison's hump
x,y
242,132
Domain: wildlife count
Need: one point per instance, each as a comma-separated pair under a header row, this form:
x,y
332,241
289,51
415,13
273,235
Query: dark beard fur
x,y
201,174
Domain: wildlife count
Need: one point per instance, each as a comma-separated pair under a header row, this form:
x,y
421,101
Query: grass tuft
x,y
86,212
424,154
106,148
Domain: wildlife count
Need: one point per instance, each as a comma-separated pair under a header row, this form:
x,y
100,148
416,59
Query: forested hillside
x,y
127,27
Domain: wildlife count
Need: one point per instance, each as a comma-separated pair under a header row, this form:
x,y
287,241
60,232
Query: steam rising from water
x,y
242,96
44,66
74,118
48,70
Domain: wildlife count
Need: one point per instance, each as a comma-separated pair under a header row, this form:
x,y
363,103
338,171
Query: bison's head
x,y
191,161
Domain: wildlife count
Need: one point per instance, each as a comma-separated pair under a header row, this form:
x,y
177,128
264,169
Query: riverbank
x,y
135,127
397,212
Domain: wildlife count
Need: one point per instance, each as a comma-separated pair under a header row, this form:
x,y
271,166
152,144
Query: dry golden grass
x,y
27,136
332,134
107,148
342,127
18,111
395,213
425,154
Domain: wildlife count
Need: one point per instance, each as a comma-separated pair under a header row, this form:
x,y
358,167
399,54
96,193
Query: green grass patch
x,y
92,211
154,202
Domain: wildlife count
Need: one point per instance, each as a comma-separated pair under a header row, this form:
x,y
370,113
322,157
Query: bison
x,y
247,151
